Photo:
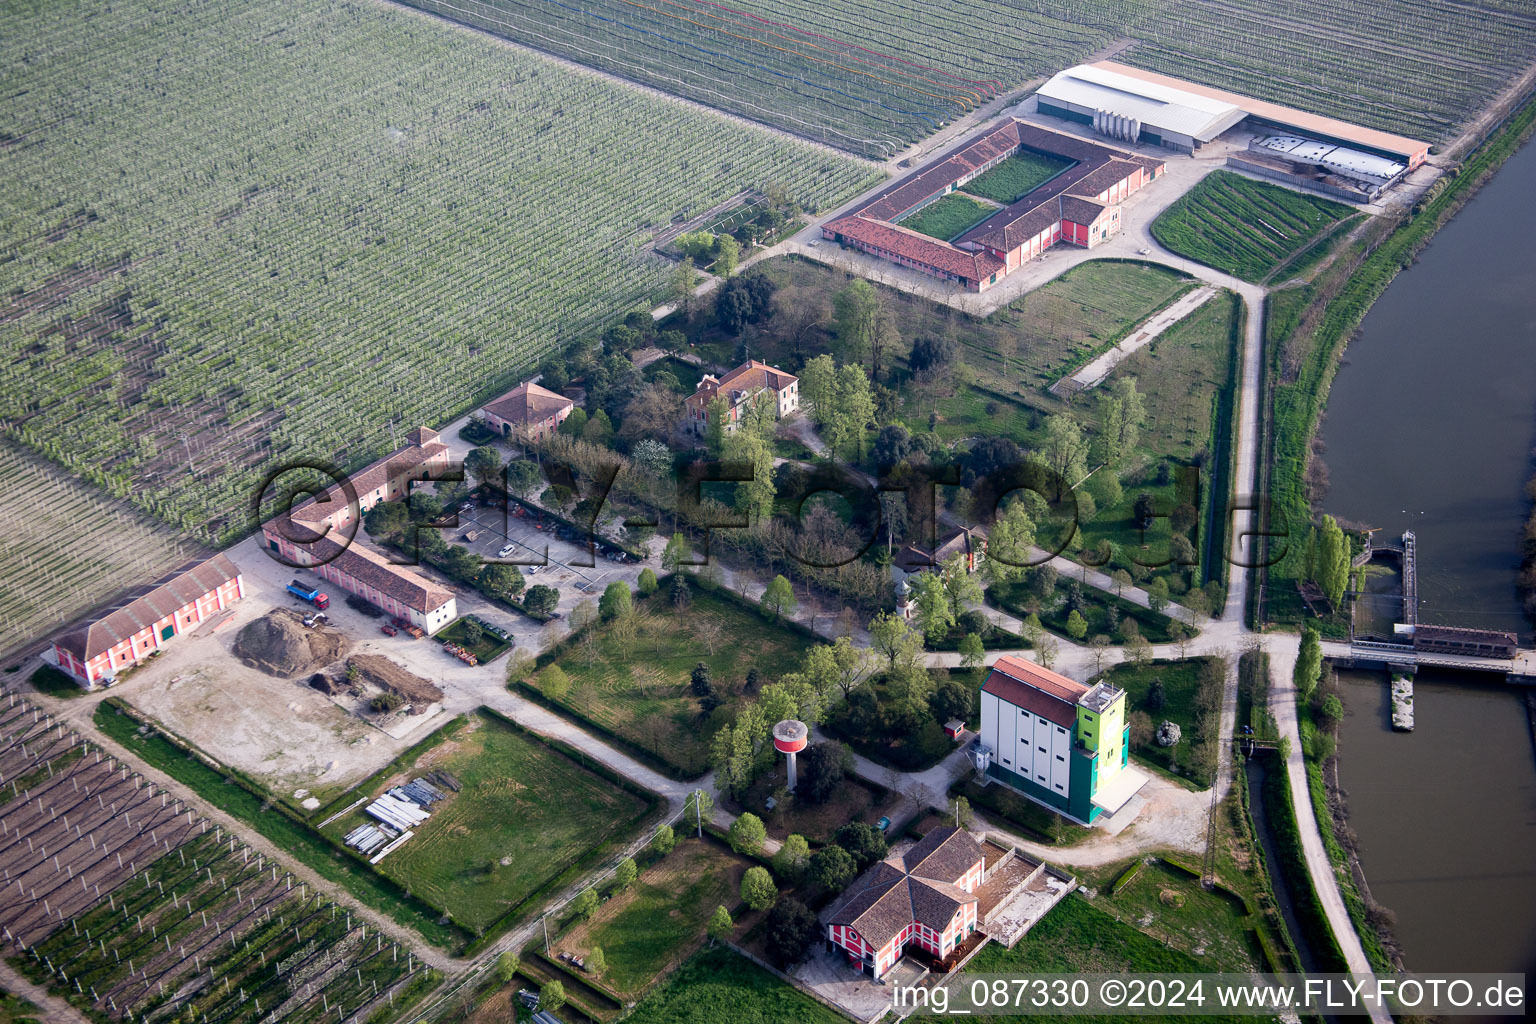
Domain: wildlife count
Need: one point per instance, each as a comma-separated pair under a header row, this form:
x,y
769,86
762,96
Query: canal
x,y
1430,427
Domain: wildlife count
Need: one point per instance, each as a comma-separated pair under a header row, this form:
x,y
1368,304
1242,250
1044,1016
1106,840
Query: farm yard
x,y
872,77
718,984
947,217
647,930
1016,177
241,939
638,688
1244,227
68,547
325,203
525,814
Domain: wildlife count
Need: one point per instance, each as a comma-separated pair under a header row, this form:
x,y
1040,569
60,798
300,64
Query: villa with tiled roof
x,y
528,411
739,389
923,896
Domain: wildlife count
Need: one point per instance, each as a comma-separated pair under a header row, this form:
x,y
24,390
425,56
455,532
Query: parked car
x,y
883,824
388,630
506,549
467,506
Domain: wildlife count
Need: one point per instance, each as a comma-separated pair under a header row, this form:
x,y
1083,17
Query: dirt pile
x,y
279,644
392,678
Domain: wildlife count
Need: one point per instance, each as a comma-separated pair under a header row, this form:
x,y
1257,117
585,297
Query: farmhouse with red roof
x,y
1080,205
739,389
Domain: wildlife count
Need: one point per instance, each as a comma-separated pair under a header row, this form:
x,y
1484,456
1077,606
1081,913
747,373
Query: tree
x,y
648,453
931,600
778,599
757,889
864,842
625,874
952,700
596,962
676,553
716,414
892,637
664,841
507,967
1331,712
856,312
647,582
1064,449
681,285
747,834
727,255
387,519
1121,579
821,771
554,683
793,857
1157,695
972,651
681,595
1009,548
1157,594
831,868
1133,412
1198,603
853,410
699,679
616,601
584,903
551,996
522,477
720,925
1047,650
1077,626
575,423
483,464
1141,728
1138,650
932,353
1309,663
818,384
792,931
541,600
1332,557
960,812
502,582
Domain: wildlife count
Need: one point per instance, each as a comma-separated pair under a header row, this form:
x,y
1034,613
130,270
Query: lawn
x,y
1244,227
1015,599
1181,682
854,800
640,690
56,683
1017,176
522,802
949,216
485,649
648,929
1210,925
719,985
686,374
1030,819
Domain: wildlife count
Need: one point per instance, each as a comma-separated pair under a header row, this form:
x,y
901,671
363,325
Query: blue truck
x,y
310,594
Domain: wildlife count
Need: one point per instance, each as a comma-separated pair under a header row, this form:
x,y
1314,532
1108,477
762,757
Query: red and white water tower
x,y
789,738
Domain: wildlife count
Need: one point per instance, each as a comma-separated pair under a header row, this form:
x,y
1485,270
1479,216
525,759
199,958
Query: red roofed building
x,y
1080,205
143,623
923,896
739,389
529,411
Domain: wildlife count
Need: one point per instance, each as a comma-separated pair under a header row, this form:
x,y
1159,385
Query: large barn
x,y
1079,205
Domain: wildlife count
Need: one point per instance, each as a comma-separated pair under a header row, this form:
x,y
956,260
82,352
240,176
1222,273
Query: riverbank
x,y
1306,331
1526,581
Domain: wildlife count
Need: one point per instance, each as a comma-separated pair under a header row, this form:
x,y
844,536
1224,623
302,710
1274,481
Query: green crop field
x,y
522,802
1242,226
719,985
947,217
648,929
68,547
324,205
871,77
1016,177
639,689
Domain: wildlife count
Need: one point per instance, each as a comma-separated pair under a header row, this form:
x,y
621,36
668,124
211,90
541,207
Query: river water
x,y
1430,427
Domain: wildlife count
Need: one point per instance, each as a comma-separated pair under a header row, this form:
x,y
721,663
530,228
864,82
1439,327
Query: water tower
x,y
789,739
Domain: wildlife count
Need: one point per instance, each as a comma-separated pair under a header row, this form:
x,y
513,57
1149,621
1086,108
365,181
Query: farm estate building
x,y
923,896
1079,205
528,411
144,622
1142,106
305,536
740,389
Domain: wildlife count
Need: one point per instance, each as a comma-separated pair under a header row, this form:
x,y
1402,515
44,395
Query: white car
x,y
506,550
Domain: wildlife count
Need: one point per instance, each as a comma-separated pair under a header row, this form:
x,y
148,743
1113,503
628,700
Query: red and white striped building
x,y
145,622
924,896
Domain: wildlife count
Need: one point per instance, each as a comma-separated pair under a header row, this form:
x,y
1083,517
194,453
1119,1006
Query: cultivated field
x,y
648,929
241,940
1247,228
1015,177
640,689
526,813
324,204
870,76
947,217
68,547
